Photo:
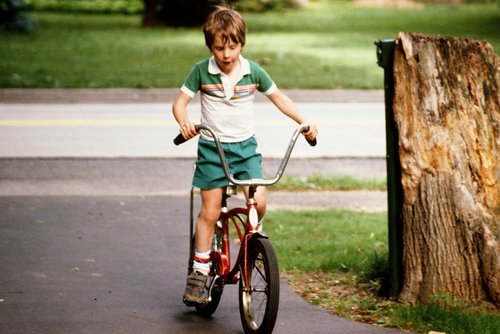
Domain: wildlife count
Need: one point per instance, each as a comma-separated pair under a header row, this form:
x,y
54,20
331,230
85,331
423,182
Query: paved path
x,y
116,264
99,246
91,245
172,177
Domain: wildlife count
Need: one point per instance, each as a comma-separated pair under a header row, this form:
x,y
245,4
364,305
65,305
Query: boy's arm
x,y
179,109
287,107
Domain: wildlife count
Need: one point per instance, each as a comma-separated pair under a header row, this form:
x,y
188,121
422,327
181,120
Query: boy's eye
x,y
221,48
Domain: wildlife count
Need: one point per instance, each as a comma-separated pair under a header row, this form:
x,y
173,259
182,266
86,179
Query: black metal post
x,y
385,59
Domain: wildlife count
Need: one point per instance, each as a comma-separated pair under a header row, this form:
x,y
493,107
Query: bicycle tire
x,y
260,301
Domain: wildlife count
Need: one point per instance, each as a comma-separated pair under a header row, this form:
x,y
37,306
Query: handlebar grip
x,y
179,139
312,142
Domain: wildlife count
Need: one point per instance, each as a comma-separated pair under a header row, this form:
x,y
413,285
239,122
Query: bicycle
x,y
256,266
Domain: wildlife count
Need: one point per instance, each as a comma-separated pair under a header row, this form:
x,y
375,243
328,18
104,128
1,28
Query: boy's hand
x,y
312,133
188,130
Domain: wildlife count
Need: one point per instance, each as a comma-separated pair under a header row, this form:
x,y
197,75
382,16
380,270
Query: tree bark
x,y
447,112
148,17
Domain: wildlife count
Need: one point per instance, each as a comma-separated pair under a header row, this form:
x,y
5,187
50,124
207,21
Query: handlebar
x,y
252,182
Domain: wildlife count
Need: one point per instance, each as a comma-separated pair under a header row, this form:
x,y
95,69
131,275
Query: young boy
x,y
227,83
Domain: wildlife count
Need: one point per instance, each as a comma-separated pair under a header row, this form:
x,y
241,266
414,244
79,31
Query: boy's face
x,y
227,55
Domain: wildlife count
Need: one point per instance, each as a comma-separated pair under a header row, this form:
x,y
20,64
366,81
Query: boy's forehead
x,y
221,40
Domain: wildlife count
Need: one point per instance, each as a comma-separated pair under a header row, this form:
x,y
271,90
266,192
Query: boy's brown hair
x,y
228,23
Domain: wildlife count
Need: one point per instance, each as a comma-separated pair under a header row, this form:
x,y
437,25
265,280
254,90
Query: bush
x,y
193,13
137,6
12,18
263,5
88,6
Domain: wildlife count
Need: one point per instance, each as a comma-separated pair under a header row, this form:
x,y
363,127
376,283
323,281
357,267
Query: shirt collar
x,y
214,69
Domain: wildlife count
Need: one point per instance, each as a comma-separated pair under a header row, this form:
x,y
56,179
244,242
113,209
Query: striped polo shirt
x,y
227,109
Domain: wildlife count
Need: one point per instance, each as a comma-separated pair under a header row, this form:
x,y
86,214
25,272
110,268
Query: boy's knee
x,y
261,208
210,208
261,203
209,216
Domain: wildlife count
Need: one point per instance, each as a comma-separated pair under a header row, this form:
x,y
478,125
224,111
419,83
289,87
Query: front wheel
x,y
259,300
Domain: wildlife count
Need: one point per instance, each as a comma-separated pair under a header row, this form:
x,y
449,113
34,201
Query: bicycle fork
x,y
255,230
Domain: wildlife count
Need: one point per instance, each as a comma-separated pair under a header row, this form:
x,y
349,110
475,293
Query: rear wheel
x,y
214,285
259,300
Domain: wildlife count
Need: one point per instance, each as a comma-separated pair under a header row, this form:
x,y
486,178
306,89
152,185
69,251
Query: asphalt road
x,y
99,245
111,264
146,130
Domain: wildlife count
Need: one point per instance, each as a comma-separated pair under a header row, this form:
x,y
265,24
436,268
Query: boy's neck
x,y
235,72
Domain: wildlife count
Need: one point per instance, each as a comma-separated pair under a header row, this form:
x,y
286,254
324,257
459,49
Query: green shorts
x,y
243,160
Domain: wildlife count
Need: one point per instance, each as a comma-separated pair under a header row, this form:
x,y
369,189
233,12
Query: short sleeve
x,y
266,84
193,82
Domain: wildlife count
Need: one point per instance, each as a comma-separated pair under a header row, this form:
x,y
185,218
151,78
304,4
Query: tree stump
x,y
447,112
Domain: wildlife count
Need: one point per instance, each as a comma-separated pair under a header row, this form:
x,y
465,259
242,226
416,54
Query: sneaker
x,y
196,292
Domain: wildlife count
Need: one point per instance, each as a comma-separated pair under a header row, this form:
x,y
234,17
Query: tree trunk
x,y
447,112
185,13
148,15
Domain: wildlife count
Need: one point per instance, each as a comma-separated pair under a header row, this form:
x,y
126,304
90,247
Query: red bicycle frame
x,y
245,222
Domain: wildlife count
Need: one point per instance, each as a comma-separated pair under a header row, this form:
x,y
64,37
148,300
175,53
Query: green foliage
x,y
322,182
95,51
337,257
137,6
262,5
377,272
12,18
323,45
443,314
88,6
334,240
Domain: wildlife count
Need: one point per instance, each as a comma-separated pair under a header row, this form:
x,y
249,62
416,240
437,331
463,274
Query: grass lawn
x,y
337,259
328,44
321,182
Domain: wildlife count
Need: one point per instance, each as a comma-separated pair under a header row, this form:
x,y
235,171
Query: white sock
x,y
202,262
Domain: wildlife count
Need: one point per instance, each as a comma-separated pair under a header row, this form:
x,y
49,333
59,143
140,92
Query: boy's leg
x,y
260,197
210,209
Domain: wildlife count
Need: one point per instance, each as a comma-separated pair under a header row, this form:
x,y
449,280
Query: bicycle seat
x,y
231,190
